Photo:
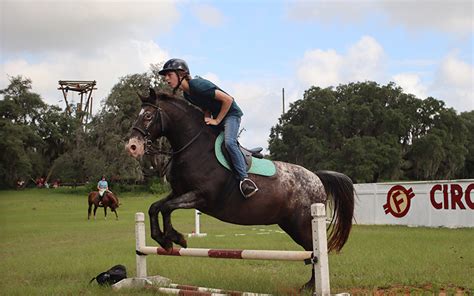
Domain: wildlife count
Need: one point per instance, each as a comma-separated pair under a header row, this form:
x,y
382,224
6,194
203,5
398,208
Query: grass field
x,y
47,247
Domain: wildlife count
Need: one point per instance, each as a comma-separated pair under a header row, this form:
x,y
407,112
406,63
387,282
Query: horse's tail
x,y
341,189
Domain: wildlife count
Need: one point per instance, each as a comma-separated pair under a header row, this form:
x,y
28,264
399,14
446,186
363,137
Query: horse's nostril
x,y
133,147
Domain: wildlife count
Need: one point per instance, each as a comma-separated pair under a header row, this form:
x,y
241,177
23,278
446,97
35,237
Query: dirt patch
x,y
397,290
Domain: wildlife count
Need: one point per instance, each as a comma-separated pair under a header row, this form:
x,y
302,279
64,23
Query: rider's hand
x,y
211,121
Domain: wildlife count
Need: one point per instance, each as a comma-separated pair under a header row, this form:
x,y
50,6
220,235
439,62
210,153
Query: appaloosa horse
x,y
108,200
199,181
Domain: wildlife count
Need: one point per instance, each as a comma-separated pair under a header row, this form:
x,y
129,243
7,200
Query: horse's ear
x,y
142,98
152,94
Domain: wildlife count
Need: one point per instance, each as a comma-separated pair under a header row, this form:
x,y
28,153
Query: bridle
x,y
145,130
149,148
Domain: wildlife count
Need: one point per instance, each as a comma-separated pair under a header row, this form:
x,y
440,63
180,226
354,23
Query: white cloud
x,y
80,26
261,104
451,16
328,11
412,84
320,67
454,83
363,61
111,62
212,77
366,60
209,15
80,40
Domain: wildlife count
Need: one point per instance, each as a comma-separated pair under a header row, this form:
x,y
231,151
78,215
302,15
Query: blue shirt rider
x,y
103,188
220,109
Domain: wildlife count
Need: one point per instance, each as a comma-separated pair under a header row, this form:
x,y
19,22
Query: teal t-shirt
x,y
202,93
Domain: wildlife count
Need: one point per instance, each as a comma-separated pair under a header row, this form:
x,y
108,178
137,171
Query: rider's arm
x,y
226,101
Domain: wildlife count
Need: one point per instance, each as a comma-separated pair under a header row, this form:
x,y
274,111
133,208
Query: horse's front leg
x,y
155,229
89,210
105,212
188,200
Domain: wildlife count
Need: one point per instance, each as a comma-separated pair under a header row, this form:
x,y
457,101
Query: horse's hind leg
x,y
300,230
95,210
105,212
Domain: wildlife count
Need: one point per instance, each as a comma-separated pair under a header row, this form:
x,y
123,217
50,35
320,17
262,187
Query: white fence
x,y
427,203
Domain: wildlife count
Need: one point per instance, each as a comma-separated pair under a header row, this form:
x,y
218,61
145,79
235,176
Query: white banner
x,y
427,203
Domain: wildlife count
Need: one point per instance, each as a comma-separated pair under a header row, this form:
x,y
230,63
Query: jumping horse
x,y
108,200
198,181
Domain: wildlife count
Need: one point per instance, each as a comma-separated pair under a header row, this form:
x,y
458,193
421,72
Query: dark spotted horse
x,y
198,180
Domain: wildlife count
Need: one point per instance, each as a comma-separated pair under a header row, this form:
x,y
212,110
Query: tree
x,y
20,111
371,133
468,169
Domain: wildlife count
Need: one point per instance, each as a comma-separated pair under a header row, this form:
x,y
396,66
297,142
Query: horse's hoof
x,y
182,242
167,245
308,287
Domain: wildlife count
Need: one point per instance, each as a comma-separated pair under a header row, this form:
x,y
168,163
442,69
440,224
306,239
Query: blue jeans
x,y
231,130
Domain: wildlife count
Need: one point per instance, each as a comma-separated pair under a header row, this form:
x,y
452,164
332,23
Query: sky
x,y
252,49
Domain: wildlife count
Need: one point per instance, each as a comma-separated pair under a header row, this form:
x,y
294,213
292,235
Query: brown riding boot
x,y
248,187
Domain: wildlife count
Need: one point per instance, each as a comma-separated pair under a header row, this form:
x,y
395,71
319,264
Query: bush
x,y
158,186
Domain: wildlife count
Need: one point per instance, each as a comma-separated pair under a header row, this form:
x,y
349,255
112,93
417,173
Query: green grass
x,y
47,247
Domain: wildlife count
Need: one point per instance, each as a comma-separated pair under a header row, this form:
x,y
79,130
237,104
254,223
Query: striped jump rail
x,y
229,253
187,290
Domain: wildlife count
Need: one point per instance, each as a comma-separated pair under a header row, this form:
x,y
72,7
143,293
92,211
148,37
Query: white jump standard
x,y
319,260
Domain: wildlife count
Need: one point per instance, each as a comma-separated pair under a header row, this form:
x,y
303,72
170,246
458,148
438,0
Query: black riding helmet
x,y
174,65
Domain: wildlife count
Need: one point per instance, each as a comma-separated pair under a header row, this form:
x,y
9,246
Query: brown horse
x,y
199,181
108,200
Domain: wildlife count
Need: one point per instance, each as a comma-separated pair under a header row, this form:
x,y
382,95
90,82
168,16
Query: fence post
x,y
320,250
140,242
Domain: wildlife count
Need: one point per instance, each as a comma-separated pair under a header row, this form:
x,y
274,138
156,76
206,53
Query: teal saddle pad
x,y
260,166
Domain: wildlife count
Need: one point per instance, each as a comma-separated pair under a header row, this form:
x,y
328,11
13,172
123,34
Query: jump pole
x,y
319,260
197,225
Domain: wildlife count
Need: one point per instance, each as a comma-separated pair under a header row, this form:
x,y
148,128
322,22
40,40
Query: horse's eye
x,y
148,116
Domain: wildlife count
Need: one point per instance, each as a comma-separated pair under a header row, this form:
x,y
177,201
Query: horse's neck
x,y
182,125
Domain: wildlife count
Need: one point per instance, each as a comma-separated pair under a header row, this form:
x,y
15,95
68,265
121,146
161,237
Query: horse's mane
x,y
180,103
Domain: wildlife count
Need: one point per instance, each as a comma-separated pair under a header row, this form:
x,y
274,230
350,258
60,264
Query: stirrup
x,y
253,184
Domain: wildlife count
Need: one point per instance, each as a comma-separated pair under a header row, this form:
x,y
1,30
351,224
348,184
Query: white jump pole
x,y
140,243
320,250
197,225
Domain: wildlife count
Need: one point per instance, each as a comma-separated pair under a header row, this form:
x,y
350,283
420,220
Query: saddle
x,y
254,160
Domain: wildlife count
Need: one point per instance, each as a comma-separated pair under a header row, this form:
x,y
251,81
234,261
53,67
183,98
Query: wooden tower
x,y
85,89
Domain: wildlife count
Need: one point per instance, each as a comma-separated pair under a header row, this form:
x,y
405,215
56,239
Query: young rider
x,y
103,188
220,109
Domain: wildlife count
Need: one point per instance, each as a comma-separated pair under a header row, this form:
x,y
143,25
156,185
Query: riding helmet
x,y
174,65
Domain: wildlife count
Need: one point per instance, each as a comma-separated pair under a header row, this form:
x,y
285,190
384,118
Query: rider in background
x,y
103,188
220,109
